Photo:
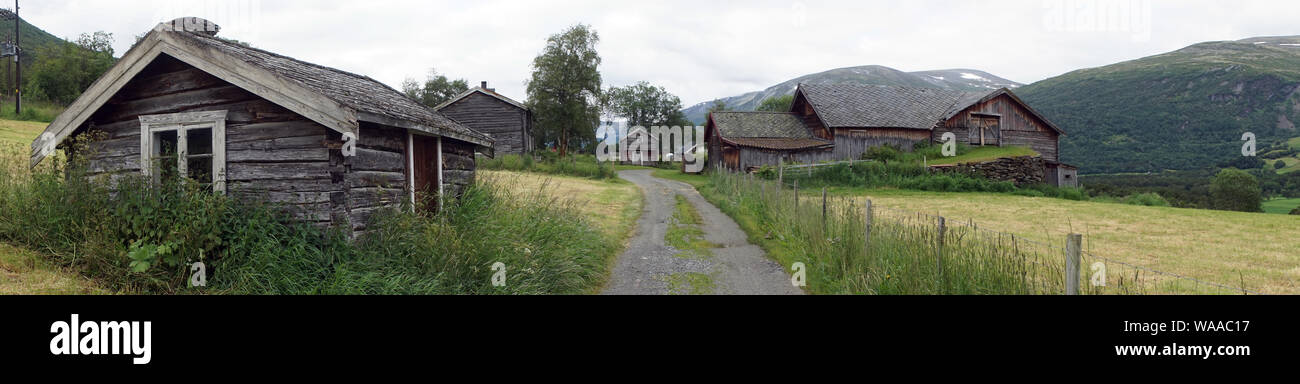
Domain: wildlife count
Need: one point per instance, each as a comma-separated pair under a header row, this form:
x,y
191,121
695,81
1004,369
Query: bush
x,y
1295,211
1279,164
1076,194
1236,190
883,153
1150,199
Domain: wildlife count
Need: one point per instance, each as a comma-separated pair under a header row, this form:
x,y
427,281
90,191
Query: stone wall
x,y
1020,170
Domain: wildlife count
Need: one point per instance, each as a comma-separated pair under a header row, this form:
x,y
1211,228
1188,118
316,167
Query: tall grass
x,y
32,111
140,237
545,162
903,255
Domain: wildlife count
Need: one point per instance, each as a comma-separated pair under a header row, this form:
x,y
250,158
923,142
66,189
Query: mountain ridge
x,y
1183,109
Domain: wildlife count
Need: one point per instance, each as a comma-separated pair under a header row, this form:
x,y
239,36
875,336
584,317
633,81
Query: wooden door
x,y
424,163
992,131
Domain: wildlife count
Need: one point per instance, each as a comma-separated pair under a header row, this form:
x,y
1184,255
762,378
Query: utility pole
x,y
18,67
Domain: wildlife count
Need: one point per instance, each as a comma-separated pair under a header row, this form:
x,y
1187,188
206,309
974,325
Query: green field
x,y
20,132
1281,206
982,154
1218,246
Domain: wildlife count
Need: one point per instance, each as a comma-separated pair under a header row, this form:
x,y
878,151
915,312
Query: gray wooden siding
x,y
850,144
376,177
272,155
458,166
1018,127
507,124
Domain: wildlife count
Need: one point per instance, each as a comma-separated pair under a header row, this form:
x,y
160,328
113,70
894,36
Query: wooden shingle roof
x,y
880,106
359,92
333,98
487,92
860,105
769,130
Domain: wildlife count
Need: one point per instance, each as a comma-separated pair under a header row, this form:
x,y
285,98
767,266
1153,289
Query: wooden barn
x,y
509,122
841,121
744,140
330,146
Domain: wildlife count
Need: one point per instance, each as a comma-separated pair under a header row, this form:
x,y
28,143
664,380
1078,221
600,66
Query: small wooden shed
x,y
509,122
330,146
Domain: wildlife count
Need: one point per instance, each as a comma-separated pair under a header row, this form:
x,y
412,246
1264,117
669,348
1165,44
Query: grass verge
x,y
903,256
23,272
690,283
684,233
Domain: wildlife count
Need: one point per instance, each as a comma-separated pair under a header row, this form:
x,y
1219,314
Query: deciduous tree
x,y
1236,190
565,88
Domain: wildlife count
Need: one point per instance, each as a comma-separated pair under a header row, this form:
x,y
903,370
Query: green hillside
x,y
34,42
1185,109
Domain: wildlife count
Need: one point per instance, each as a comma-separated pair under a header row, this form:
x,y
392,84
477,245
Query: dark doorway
x,y
424,163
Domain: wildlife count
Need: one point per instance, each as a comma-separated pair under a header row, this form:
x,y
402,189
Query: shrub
x,y
1236,190
1279,164
1295,211
1076,194
1150,199
883,153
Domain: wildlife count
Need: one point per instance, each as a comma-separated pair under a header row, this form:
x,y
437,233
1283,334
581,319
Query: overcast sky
x,y
700,49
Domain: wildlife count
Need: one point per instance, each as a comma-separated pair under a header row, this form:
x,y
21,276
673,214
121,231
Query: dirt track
x,y
735,268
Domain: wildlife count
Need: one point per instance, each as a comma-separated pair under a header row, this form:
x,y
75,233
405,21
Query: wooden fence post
x,y
939,254
867,235
1073,247
823,209
780,171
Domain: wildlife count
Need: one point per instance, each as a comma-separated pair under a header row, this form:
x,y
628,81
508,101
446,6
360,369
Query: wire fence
x,y
1043,267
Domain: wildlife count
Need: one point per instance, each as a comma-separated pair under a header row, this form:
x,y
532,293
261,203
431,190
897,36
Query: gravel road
x,y
736,268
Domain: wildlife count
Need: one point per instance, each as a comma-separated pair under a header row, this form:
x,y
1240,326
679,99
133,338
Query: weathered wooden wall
x,y
1018,126
376,177
1062,176
506,123
458,166
272,155
850,144
746,157
809,115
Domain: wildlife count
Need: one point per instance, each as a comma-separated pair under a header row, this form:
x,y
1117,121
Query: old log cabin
x,y
331,147
841,121
509,122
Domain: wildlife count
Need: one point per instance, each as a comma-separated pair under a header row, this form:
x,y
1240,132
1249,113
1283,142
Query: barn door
x,y
985,131
992,131
424,171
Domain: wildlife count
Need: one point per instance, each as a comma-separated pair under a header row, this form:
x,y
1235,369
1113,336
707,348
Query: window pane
x,y
164,159
200,169
199,141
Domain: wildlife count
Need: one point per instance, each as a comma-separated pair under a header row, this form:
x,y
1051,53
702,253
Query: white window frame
x,y
180,122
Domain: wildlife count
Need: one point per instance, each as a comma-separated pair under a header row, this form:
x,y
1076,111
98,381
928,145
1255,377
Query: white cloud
x,y
699,50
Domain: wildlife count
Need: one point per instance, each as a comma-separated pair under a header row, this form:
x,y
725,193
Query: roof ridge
x,y
299,61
